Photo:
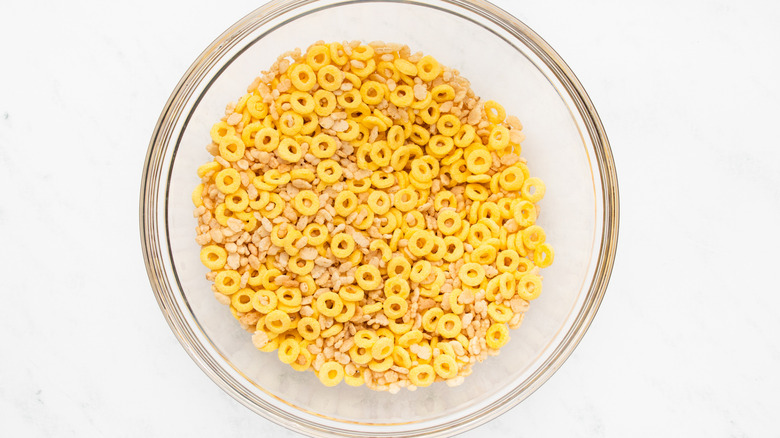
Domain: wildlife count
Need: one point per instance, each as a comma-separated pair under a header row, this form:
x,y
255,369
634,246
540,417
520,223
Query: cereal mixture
x,y
368,217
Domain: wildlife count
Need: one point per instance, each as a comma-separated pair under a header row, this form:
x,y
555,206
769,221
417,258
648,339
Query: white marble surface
x,y
685,344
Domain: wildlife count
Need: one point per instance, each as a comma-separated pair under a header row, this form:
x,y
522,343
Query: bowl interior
x,y
558,149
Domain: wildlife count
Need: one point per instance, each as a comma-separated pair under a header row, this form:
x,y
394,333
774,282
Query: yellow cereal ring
x,y
533,189
395,307
420,271
405,199
456,307
330,78
213,257
533,236
395,137
237,201
304,174
449,325
511,179
497,336
302,77
430,319
264,301
197,195
329,304
364,72
371,92
303,362
269,277
495,112
396,286
448,222
491,212
242,300
412,337
543,255
350,99
529,287
465,136
337,54
207,168
524,213
430,113
220,130
420,243
440,145
499,138
342,245
360,355
267,139
405,67
362,52
368,277
387,70
302,102
281,234
399,266
324,102
355,380
228,180
323,146
256,107
401,357
380,153
478,233
479,161
452,157
379,202
422,375
331,373
442,93
318,56
428,68
309,328
346,202
484,254
447,124
382,348
334,330
288,352
329,171
402,96
228,282
471,274
380,366
459,171
288,296
290,123
277,321
476,192
507,261
445,366
351,293
306,203
365,338
499,313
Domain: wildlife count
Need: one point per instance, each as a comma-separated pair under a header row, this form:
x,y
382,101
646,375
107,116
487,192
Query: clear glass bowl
x,y
566,146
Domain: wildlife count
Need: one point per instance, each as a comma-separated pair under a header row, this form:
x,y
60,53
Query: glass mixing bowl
x,y
566,146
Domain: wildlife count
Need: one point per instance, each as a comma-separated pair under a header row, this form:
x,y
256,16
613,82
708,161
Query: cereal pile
x,y
369,218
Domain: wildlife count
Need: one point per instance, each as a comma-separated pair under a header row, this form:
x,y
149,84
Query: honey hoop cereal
x,y
369,218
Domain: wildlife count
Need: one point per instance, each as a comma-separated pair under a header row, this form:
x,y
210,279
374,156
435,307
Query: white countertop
x,y
685,341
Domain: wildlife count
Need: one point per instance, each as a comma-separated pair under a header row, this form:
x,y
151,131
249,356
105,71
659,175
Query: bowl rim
x,y
153,253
